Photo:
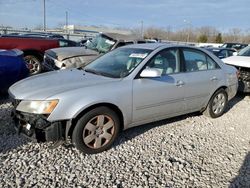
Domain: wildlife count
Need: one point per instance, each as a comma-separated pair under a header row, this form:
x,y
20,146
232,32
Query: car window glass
x,y
118,63
211,64
101,43
63,43
141,42
166,61
222,54
230,52
120,44
194,60
128,43
245,51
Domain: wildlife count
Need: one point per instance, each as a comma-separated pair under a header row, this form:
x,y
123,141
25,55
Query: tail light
x,y
238,74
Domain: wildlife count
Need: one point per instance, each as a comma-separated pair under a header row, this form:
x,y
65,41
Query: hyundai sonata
x,y
129,86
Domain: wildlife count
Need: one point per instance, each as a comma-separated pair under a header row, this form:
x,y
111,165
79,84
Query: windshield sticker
x,y
142,56
110,42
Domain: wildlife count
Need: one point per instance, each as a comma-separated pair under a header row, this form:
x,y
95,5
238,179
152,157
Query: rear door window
x,y
195,60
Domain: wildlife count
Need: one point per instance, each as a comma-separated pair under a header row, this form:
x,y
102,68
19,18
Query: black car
x,y
237,46
222,52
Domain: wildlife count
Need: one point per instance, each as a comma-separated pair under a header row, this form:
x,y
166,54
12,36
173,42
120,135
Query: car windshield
x,y
118,63
245,51
100,43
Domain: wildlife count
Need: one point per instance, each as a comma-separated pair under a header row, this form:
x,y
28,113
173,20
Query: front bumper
x,y
36,127
232,90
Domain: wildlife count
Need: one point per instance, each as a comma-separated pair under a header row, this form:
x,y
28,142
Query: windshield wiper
x,y
99,73
92,71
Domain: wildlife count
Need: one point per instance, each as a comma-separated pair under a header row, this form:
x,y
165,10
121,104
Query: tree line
x,y
202,34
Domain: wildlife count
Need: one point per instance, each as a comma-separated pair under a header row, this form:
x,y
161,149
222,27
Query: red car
x,y
33,48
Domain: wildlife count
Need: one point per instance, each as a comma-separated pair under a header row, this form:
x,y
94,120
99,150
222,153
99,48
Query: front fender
x,y
72,103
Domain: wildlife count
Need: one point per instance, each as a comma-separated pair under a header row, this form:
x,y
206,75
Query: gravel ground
x,y
187,151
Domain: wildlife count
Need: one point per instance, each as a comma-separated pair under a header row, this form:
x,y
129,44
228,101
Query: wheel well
x,y
34,53
222,87
109,105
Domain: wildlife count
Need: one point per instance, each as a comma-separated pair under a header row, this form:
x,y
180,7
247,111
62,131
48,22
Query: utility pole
x,y
67,19
44,16
188,29
142,32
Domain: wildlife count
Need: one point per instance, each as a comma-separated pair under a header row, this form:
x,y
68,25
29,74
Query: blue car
x,y
12,68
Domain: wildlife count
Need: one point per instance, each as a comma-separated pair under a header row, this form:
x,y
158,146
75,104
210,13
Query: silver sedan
x,y
129,86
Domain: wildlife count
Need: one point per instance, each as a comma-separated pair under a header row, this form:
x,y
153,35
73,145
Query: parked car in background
x,y
126,87
76,57
46,35
33,48
222,52
242,63
12,68
237,46
36,34
83,41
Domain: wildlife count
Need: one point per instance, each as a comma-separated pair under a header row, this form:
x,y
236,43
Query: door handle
x,y
179,83
214,78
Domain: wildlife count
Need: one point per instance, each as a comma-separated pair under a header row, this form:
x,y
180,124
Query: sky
x,y
174,14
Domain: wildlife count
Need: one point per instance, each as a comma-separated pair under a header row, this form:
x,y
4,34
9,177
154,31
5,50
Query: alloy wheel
x,y
218,103
98,131
33,64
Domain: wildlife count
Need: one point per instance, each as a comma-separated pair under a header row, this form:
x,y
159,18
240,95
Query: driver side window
x,y
166,61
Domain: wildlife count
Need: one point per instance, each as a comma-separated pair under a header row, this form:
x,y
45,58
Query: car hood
x,y
46,85
240,61
68,52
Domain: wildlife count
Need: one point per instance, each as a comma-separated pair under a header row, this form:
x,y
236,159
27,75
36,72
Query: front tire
x,y
96,130
33,63
217,104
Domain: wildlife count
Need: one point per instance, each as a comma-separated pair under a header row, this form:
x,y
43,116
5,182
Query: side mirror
x,y
235,53
150,73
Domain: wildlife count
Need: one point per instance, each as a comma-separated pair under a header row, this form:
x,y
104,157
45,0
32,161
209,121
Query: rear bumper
x,y
232,90
244,86
36,127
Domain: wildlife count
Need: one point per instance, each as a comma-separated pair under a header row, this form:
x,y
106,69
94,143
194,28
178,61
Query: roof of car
x,y
151,46
219,49
117,36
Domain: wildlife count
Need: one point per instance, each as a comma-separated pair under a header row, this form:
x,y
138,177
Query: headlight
x,y
58,63
37,107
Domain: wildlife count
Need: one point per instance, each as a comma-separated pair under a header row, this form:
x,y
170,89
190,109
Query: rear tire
x,y
96,130
217,104
33,63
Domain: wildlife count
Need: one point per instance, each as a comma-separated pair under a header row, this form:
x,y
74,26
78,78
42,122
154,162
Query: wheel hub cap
x,y
219,103
98,131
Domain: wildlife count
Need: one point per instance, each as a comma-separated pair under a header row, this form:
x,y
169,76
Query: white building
x,y
93,30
